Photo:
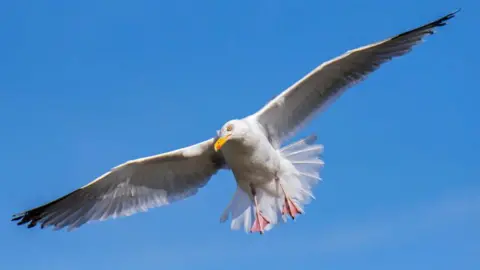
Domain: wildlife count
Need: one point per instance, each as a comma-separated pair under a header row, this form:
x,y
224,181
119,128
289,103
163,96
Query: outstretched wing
x,y
134,186
288,111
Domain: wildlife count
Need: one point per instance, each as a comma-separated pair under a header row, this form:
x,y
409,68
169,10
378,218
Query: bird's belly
x,y
254,170
254,176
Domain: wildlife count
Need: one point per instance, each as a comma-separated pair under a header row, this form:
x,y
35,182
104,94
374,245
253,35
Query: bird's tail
x,y
303,157
303,163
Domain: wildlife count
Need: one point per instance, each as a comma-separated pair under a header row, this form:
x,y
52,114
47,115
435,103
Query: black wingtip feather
x,y
16,217
442,21
31,225
430,26
34,215
27,217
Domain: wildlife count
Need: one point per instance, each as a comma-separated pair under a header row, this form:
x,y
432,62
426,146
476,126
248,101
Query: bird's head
x,y
231,131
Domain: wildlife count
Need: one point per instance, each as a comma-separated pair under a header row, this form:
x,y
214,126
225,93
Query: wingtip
x,y
456,11
450,15
429,28
442,21
24,218
19,218
453,13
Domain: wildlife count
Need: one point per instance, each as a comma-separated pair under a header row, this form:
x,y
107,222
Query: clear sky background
x,y
86,85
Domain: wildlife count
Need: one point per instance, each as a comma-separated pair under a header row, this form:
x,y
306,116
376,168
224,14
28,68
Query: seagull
x,y
274,182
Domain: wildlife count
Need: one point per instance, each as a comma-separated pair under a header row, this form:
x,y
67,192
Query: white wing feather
x,y
131,187
283,115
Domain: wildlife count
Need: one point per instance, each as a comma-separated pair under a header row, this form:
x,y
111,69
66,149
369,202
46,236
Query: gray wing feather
x,y
134,186
282,116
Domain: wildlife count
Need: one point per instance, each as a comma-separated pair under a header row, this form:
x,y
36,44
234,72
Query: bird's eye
x,y
229,128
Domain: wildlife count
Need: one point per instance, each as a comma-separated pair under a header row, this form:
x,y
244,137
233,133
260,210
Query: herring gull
x,y
273,182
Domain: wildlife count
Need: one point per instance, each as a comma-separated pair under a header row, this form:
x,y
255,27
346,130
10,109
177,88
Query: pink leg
x,y
260,221
290,207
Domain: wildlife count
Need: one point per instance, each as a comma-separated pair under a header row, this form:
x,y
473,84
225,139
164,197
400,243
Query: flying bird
x,y
274,182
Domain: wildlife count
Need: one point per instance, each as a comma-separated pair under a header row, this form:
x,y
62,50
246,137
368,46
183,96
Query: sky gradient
x,y
88,85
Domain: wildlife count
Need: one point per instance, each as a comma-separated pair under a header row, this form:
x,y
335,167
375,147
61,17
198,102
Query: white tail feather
x,y
240,209
312,176
315,161
303,159
303,153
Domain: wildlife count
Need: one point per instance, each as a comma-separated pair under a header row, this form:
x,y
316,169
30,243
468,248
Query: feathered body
x,y
256,162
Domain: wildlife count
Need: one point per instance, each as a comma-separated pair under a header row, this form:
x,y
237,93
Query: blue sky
x,y
88,85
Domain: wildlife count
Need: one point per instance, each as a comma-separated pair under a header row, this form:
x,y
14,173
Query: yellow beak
x,y
220,142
